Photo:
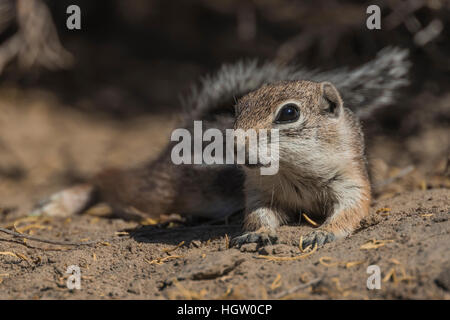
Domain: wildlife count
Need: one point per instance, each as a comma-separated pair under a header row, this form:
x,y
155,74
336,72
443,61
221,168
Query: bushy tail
x,y
364,89
373,84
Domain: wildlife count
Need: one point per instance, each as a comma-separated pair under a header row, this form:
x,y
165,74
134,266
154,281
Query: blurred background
x,y
75,101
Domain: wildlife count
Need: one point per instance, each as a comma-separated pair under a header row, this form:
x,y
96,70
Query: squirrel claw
x,y
318,237
261,238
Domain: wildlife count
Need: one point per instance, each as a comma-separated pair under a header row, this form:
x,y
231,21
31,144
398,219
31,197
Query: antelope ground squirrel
x,y
322,166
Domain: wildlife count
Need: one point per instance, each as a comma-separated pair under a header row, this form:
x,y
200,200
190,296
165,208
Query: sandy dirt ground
x,y
45,147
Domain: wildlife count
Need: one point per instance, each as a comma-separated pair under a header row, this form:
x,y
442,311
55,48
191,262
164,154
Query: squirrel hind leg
x,y
67,202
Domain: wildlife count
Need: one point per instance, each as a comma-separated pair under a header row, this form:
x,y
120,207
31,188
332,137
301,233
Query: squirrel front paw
x,y
261,237
318,237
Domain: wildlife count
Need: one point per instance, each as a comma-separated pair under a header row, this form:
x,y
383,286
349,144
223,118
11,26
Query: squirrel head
x,y
307,115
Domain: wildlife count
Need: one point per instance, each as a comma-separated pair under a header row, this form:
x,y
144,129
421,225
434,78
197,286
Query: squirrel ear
x,y
330,101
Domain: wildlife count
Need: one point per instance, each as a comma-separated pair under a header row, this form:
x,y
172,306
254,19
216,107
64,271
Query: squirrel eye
x,y
288,113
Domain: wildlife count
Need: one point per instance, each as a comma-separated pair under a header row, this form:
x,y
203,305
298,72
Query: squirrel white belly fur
x,y
322,166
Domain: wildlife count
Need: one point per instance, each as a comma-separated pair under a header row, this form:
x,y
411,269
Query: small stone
x,y
134,288
275,249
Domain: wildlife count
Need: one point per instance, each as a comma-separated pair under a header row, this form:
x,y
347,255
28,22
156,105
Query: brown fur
x,y
322,169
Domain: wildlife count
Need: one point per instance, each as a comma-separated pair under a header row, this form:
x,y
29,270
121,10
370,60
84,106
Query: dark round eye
x,y
288,113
